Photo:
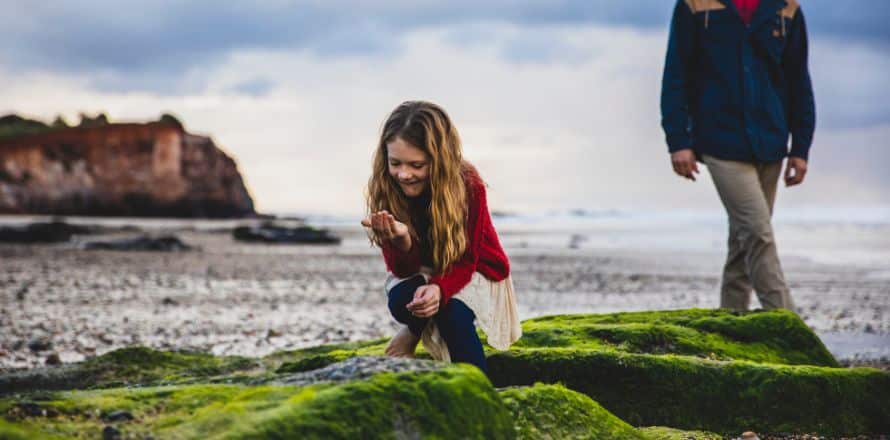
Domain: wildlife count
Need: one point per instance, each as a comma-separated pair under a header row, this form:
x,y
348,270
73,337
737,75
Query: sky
x,y
556,101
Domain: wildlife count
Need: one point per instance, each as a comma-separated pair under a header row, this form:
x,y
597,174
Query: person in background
x,y
736,85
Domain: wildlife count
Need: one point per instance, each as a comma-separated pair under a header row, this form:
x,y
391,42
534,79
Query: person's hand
x,y
684,163
795,170
386,227
426,301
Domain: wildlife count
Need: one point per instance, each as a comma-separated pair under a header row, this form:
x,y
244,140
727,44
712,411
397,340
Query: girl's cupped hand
x,y
386,227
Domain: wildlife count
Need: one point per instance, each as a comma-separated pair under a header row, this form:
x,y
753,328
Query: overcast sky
x,y
556,101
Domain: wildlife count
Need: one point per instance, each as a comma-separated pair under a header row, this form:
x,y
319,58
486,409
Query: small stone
x,y
273,334
748,435
53,359
40,344
119,416
30,409
110,433
167,301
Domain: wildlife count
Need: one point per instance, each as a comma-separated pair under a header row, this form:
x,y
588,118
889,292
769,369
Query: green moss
x,y
454,402
662,433
306,359
777,336
9,431
127,366
555,412
692,393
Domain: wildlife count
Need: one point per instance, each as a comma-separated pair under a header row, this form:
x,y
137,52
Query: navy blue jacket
x,y
733,91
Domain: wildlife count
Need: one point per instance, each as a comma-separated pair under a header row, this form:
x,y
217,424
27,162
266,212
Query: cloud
x,y
546,135
151,45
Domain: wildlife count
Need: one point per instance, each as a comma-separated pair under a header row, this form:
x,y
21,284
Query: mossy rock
x,y
555,412
127,366
456,401
306,359
713,370
700,394
776,336
662,433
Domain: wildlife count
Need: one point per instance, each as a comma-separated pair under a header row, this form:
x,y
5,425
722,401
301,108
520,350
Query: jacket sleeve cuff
x,y
678,142
800,151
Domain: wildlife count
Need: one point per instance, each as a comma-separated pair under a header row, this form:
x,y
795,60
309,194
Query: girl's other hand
x,y
386,227
426,301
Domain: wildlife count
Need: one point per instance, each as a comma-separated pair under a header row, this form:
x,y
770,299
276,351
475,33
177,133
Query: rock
x,y
748,435
271,233
166,243
110,433
53,359
41,343
167,301
155,169
54,232
134,365
553,411
30,409
359,368
118,416
410,404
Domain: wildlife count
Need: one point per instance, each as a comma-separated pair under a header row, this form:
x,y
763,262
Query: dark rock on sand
x,y
270,233
54,232
166,243
40,343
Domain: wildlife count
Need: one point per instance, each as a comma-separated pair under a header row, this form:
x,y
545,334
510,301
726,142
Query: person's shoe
x,y
402,344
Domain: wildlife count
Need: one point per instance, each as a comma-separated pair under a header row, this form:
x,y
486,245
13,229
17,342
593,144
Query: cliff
x,y
155,169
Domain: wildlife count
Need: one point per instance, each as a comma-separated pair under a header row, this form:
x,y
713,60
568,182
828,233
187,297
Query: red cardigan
x,y
484,253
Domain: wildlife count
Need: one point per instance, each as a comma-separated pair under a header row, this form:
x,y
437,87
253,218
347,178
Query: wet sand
x,y
253,299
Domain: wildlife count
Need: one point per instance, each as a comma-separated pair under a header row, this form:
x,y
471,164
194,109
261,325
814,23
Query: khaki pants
x,y
748,191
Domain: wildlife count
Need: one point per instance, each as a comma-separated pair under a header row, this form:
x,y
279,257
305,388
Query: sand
x,y
231,298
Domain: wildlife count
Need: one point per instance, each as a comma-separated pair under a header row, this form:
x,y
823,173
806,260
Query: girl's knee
x,y
402,294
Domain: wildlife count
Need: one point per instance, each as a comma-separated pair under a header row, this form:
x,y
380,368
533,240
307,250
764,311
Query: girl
x,y
429,215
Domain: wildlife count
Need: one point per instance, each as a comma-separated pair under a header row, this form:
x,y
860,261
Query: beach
x,y
233,298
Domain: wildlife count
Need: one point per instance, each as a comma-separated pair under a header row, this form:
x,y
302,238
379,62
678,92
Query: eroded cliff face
x,y
153,169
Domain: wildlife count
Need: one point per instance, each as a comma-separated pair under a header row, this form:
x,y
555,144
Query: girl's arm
x,y
401,255
478,219
401,263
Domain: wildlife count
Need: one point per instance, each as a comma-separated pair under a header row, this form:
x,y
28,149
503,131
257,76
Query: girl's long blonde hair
x,y
426,126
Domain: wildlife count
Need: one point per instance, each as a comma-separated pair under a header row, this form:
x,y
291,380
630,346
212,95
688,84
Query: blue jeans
x,y
455,322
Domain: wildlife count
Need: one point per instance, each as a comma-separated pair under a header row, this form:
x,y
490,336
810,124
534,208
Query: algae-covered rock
x,y
662,433
127,366
555,412
721,396
307,359
777,336
454,401
700,369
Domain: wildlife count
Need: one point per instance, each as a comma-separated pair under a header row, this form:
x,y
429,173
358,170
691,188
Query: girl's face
x,y
409,166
